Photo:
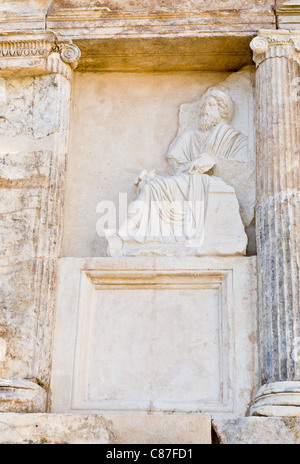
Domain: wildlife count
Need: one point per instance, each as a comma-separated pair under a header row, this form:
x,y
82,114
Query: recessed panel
x,y
145,348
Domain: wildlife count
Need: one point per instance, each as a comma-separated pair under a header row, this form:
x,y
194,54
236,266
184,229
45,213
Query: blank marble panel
x,y
151,348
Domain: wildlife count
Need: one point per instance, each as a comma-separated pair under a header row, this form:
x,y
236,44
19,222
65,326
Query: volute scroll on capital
x,y
69,53
275,44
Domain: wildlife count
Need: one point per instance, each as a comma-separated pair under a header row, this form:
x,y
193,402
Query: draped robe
x,y
173,208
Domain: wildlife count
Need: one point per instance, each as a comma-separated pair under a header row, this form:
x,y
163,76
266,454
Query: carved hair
x,y
225,103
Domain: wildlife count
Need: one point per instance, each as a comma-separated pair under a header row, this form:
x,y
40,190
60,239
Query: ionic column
x,y
35,84
277,56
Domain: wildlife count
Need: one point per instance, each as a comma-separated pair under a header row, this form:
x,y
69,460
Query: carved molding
x,y
18,20
37,53
276,44
83,23
145,279
277,399
288,15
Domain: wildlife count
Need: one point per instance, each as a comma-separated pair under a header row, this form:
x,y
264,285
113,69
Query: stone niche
x,y
123,124
149,334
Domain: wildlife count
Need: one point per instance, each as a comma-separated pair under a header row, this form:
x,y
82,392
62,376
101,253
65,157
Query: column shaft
x,y
277,219
277,214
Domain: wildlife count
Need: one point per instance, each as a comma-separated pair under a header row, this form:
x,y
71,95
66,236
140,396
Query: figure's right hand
x,y
143,176
202,164
140,177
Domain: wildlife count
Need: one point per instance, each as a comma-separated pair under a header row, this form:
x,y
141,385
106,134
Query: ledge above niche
x,y
159,35
162,40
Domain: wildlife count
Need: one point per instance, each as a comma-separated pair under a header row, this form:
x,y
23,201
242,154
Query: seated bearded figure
x,y
172,208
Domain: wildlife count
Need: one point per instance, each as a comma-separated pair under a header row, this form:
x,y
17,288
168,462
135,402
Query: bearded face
x,y
209,114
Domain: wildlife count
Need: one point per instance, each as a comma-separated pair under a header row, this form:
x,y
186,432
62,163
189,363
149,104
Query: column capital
x,y
36,53
276,44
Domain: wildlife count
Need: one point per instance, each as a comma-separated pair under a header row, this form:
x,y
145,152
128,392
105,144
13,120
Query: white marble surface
x,y
155,334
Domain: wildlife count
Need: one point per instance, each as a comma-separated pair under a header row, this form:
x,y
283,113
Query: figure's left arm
x,y
239,150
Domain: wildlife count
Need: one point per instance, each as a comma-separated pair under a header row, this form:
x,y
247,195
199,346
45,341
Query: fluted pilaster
x,y
35,75
277,215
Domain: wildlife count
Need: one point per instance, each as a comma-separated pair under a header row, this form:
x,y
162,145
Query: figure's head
x,y
215,106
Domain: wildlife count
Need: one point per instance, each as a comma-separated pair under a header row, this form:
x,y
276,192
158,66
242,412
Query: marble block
x,y
224,231
140,335
104,430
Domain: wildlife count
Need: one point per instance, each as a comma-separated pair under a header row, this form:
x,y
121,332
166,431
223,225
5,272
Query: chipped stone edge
x,y
21,396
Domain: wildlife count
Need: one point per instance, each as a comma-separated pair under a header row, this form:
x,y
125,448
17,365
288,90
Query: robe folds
x,y
173,208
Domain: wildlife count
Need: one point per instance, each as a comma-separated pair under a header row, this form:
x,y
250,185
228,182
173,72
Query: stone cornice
x,y
35,53
161,40
26,45
288,15
9,21
92,23
89,23
276,44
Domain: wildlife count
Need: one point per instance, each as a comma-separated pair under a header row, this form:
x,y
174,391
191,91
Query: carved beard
x,y
208,122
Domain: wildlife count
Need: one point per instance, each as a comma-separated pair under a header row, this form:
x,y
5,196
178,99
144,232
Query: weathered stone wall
x,y
130,5
33,121
135,36
140,5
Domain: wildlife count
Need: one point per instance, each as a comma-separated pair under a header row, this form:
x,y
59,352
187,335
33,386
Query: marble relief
x,y
170,213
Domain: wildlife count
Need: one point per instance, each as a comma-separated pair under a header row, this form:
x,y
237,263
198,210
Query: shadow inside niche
x,y
251,233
